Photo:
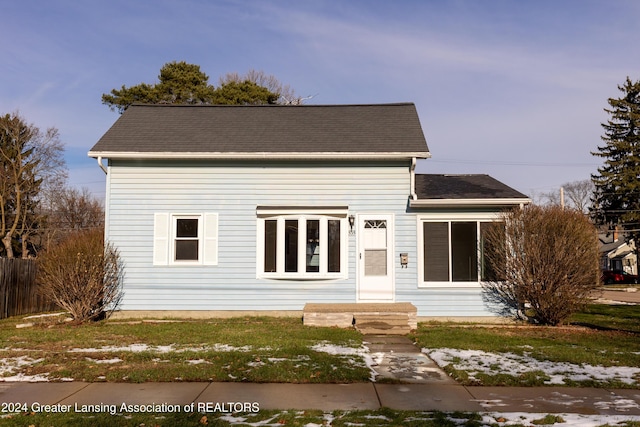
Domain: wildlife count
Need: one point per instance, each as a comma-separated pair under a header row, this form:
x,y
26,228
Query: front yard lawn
x,y
240,349
263,349
606,353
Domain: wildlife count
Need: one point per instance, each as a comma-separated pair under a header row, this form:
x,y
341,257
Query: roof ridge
x,y
391,104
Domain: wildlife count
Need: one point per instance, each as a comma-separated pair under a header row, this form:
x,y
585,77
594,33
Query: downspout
x,y
106,203
103,167
412,172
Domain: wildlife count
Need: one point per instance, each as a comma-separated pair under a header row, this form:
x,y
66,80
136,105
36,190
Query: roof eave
x,y
476,203
258,155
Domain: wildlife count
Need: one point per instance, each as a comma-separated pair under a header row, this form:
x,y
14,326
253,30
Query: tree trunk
x,y
24,242
6,240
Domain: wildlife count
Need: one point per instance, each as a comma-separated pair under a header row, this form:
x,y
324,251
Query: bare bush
x,y
83,275
545,264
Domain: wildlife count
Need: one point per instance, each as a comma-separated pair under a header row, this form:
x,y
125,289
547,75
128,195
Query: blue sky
x,y
515,89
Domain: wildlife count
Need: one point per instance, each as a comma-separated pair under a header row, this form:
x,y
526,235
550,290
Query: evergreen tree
x,y
183,83
617,184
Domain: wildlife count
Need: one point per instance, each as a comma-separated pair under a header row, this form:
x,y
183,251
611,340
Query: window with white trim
x,y
452,252
302,246
185,239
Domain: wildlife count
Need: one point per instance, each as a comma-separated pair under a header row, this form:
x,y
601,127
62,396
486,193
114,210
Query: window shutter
x,y
160,239
210,239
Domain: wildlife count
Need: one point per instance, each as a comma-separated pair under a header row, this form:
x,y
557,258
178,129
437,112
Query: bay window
x,y
302,246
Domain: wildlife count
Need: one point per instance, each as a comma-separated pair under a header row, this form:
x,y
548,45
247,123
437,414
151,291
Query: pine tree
x,y
617,184
183,83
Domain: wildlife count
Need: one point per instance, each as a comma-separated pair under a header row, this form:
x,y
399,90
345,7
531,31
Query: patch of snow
x,y
197,361
524,418
10,364
370,359
26,378
500,419
24,325
228,348
105,361
618,405
475,361
38,316
134,348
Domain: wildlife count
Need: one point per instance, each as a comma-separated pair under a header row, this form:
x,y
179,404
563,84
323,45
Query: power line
x,y
514,163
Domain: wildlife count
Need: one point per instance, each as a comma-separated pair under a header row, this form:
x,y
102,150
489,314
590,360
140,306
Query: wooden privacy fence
x,y
19,289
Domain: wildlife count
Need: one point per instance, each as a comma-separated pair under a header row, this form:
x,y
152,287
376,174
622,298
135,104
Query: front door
x,y
375,258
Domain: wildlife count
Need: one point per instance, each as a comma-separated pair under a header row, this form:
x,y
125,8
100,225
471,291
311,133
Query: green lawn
x,y
263,349
379,418
601,336
240,349
620,317
281,350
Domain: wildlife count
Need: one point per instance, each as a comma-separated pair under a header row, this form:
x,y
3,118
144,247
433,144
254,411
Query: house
x,y
237,209
616,253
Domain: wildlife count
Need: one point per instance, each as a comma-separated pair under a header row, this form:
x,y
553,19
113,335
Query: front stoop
x,y
369,318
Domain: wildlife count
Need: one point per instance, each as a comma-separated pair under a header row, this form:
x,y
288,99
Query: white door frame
x,y
375,288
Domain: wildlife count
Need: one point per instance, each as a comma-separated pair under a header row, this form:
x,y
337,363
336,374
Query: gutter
x,y
103,167
451,203
259,155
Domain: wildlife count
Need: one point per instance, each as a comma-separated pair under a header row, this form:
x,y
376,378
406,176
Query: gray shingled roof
x,y
343,129
432,186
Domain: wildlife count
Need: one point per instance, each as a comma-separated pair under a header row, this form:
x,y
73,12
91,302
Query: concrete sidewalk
x,y
229,397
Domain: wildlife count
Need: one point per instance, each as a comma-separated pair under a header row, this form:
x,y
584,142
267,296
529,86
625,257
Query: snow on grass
x,y
138,348
10,365
474,362
564,419
500,419
198,362
134,348
45,315
370,359
104,361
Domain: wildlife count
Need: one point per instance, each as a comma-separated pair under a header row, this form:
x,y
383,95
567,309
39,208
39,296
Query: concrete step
x,y
374,318
382,323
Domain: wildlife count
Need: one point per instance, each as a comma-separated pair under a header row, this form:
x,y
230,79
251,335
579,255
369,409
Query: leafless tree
x,y
577,195
29,161
545,263
287,95
68,210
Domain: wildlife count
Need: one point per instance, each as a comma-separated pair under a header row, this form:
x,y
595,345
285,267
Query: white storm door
x,y
375,258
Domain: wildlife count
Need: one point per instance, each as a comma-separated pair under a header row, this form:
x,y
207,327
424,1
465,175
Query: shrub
x,y
83,275
545,264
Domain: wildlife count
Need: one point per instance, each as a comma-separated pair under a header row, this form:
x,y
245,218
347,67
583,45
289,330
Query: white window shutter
x,y
210,239
160,239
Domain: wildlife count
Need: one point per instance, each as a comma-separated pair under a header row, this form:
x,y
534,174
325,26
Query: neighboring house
x,y
266,208
616,254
